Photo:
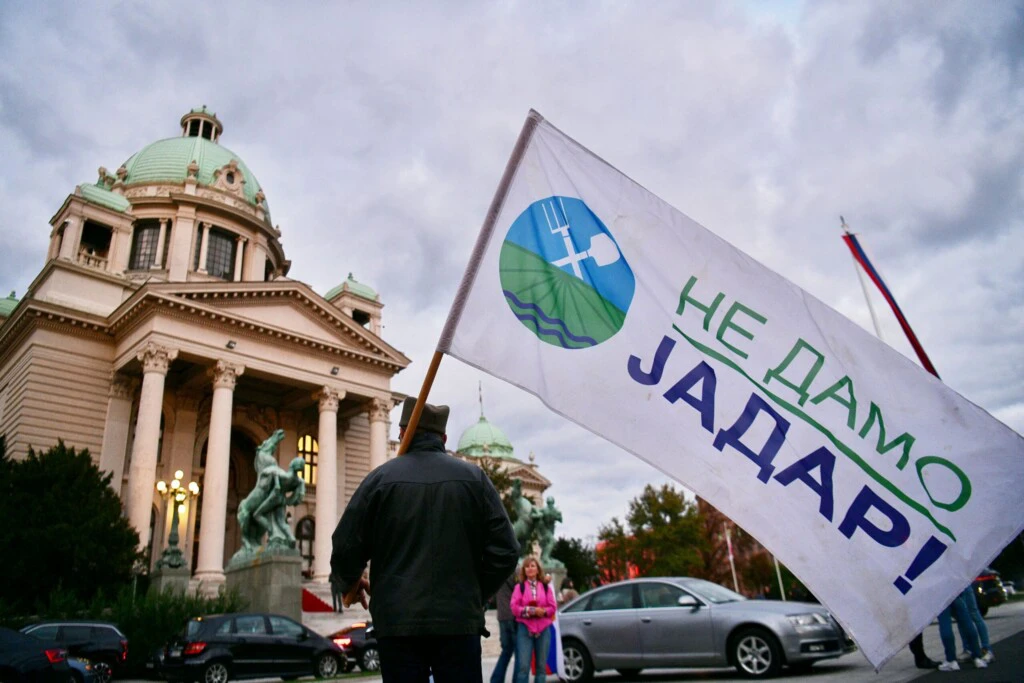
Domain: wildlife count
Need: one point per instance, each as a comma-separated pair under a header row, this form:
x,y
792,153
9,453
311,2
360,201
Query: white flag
x,y
883,490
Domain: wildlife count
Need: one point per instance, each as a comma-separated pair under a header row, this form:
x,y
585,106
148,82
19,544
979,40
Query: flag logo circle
x,y
563,274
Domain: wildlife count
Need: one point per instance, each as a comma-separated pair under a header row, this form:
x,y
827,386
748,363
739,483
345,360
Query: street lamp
x,y
176,495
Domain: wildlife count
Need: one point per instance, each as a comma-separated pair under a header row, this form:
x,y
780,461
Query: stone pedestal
x,y
269,583
169,579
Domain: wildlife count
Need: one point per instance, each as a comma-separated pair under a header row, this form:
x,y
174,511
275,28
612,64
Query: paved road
x,y
1006,631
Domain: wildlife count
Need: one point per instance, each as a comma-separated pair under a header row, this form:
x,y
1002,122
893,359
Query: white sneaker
x,y
949,666
980,663
988,657
965,657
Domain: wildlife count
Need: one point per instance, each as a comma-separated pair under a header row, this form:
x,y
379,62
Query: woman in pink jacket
x,y
533,605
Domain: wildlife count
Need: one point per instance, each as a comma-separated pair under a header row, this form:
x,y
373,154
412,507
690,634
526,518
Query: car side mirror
x,y
688,601
304,635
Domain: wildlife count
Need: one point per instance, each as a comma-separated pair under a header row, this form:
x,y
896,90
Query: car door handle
x,y
645,620
587,622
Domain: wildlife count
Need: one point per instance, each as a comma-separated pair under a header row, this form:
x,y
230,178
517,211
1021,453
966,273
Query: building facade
x,y
163,333
484,441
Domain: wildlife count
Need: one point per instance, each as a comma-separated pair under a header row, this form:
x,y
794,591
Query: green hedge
x,y
148,620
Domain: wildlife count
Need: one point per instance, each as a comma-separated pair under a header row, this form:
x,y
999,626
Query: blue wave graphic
x,y
527,318
551,321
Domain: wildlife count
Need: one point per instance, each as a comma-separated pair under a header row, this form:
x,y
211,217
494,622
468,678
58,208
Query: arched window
x,y
309,449
144,242
305,533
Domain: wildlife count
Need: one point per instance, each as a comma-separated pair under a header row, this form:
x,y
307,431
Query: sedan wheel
x,y
578,667
216,673
756,653
103,672
326,666
371,660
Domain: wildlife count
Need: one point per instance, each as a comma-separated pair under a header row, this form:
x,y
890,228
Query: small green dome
x,y
354,286
168,160
482,439
8,305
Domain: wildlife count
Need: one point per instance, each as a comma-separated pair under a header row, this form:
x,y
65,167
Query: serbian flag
x,y
861,257
555,664
879,486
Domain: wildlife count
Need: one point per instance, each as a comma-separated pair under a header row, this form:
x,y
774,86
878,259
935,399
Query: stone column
x,y
326,482
239,253
72,238
155,360
380,410
182,240
158,262
214,491
116,428
203,247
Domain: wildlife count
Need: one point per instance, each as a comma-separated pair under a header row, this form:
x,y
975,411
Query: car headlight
x,y
806,622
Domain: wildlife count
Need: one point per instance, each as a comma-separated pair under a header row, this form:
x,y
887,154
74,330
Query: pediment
x,y
288,311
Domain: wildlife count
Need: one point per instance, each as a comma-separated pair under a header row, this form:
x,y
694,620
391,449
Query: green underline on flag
x,y
843,448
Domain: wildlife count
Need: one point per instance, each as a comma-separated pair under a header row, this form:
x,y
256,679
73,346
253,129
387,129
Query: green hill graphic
x,y
561,309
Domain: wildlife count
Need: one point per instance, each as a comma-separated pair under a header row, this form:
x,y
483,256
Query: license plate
x,y
175,652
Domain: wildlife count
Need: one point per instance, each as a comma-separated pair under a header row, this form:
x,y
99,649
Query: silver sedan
x,y
684,622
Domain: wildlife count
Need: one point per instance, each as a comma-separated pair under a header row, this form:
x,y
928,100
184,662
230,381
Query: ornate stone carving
x,y
225,375
156,358
380,410
122,387
192,169
328,399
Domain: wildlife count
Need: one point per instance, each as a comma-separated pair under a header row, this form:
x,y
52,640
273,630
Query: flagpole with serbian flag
x,y
860,258
879,487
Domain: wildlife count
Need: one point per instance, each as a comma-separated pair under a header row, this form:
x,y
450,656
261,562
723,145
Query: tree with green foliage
x,y
667,532
614,552
501,480
580,561
61,528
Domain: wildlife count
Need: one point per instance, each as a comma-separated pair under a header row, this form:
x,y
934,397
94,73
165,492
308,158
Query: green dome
x,y
168,160
484,434
354,286
7,305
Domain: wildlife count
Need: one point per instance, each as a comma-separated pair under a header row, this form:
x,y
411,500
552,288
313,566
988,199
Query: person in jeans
x,y
968,633
534,606
971,600
506,629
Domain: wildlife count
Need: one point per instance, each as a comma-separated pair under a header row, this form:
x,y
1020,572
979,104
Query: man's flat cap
x,y
432,419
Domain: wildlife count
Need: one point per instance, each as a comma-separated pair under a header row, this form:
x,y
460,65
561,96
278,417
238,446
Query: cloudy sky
x,y
379,135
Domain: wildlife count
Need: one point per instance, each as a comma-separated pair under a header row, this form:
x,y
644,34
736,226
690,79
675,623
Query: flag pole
x,y
863,286
533,119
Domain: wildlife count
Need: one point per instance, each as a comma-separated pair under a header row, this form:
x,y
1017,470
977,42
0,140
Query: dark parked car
x,y
683,622
215,649
82,670
24,659
988,588
101,642
360,647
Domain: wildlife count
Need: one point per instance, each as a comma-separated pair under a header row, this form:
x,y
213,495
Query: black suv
x,y
98,641
217,648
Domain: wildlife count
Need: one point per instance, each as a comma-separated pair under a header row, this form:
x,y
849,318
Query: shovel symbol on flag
x,y
602,248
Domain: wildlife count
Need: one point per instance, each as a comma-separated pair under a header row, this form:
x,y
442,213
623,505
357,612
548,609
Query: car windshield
x,y
712,592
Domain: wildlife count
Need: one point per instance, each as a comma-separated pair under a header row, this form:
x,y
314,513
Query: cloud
x,y
379,135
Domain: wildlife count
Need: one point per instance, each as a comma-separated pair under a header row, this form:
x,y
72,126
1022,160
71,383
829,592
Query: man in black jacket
x,y
439,544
